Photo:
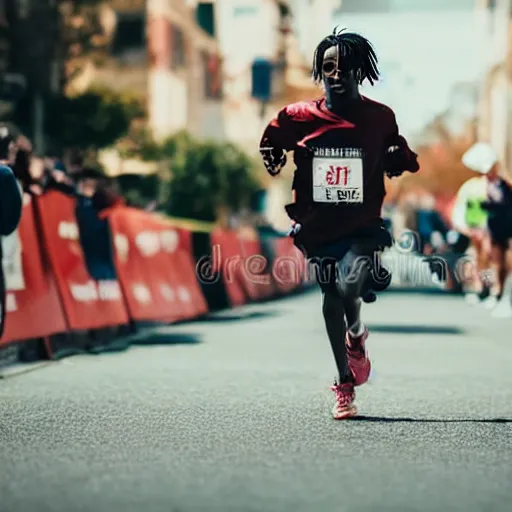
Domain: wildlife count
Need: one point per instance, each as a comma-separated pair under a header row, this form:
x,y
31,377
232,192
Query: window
x,y
178,48
130,34
212,76
205,16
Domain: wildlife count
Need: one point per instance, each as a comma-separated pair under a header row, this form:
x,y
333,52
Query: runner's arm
x,y
276,140
11,201
398,157
458,216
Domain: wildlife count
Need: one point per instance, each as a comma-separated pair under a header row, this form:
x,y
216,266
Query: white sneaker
x,y
490,302
503,309
472,299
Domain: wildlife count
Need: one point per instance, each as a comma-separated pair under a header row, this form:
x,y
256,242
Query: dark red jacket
x,y
366,132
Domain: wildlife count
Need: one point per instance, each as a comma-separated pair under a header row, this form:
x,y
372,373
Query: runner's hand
x,y
392,169
478,234
294,228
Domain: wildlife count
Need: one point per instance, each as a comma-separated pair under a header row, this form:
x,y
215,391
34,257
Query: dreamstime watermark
x,y
255,269
400,259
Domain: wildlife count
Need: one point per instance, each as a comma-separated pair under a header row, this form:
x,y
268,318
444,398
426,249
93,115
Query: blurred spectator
x,y
499,206
11,204
431,228
21,164
95,194
11,197
470,218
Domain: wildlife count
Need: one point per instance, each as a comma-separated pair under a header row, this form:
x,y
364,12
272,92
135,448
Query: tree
x,y
139,190
50,40
207,178
91,121
197,179
82,35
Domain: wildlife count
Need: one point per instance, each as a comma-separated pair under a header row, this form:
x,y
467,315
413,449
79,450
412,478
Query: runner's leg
x,y
333,313
496,265
473,285
334,317
352,307
504,307
355,271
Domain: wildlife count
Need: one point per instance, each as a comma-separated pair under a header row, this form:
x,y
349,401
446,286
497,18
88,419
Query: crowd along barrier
x,y
88,303
155,267
77,273
32,302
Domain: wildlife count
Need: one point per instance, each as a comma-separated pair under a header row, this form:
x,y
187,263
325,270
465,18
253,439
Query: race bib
x,y
338,176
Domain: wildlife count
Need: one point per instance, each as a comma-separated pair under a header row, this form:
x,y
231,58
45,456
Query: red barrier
x,y
157,278
32,303
227,256
88,304
156,270
289,266
183,260
257,280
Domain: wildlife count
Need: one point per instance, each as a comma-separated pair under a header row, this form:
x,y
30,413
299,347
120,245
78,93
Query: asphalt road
x,y
234,415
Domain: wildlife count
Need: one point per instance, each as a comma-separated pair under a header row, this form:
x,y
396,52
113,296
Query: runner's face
x,y
337,78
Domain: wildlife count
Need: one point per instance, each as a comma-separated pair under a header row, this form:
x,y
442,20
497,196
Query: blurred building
x,y
158,51
250,30
185,81
496,99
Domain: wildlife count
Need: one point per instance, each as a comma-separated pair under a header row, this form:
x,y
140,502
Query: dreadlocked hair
x,y
356,50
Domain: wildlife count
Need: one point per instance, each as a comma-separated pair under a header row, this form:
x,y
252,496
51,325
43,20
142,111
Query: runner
x,y
344,144
499,223
470,219
481,212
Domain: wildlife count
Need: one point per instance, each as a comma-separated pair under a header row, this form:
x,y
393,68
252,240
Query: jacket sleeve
x,y
458,215
277,139
11,202
398,157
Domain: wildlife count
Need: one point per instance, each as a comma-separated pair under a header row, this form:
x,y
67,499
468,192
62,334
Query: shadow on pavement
x,y
414,290
415,329
237,318
174,338
377,419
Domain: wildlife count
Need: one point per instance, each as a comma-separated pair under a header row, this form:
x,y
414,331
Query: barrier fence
x,y
69,271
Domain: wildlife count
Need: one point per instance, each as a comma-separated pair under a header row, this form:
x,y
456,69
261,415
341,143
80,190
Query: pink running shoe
x,y
344,407
358,361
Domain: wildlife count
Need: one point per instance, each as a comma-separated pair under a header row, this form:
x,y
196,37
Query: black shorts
x,y
500,231
351,266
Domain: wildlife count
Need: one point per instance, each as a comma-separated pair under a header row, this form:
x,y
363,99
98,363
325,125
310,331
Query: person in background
x,y
11,203
499,207
11,200
95,194
432,230
470,219
21,163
